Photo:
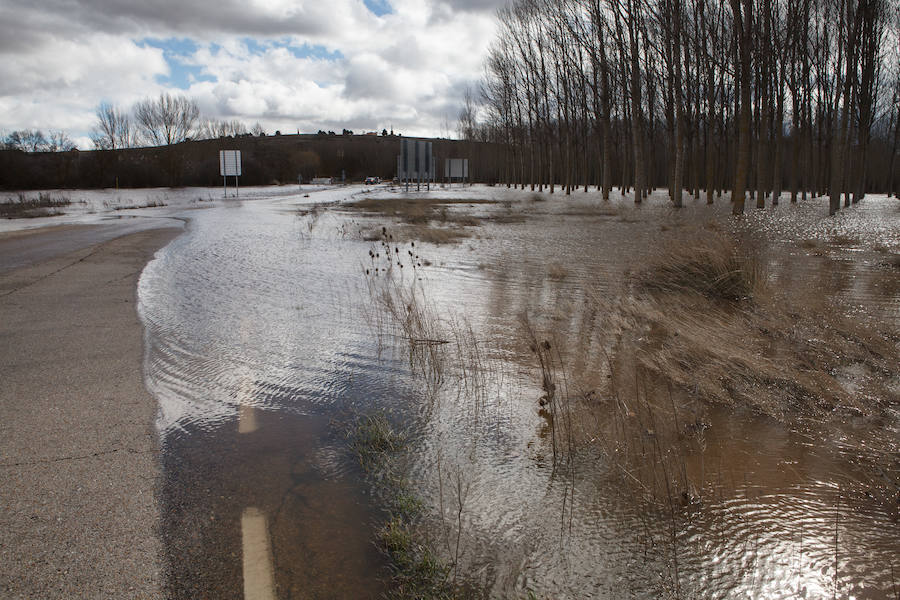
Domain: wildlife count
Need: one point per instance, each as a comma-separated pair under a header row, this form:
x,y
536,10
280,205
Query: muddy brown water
x,y
261,352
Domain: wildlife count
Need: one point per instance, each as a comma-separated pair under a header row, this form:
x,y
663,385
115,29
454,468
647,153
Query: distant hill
x,y
266,160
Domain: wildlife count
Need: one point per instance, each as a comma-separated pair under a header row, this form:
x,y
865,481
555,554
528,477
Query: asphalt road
x,y
79,463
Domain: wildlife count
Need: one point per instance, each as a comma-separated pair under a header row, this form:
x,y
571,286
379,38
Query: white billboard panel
x,y
415,160
456,167
230,163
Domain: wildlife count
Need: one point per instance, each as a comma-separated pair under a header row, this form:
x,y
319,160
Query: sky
x,y
306,65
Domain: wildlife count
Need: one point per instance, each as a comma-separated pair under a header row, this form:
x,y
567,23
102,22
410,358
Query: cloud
x,y
309,64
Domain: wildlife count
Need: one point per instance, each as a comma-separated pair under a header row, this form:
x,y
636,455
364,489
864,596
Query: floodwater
x,y
262,351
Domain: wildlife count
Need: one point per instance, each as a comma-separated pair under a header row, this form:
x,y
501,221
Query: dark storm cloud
x,y
473,5
448,11
172,16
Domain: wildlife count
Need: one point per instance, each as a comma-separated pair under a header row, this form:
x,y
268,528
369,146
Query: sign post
x,y
230,165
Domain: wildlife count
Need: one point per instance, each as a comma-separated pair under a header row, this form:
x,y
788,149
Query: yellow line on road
x,y
247,419
259,576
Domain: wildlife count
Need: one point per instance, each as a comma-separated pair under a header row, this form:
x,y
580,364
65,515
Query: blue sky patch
x,y
379,7
177,53
315,51
183,72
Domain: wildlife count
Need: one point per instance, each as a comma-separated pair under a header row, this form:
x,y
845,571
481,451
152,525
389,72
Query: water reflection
x,y
258,351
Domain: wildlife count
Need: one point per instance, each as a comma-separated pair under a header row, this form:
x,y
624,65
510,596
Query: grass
x,y
712,325
434,235
409,209
698,324
373,438
426,232
45,205
843,239
557,271
417,572
148,204
713,267
428,220
449,361
892,261
809,244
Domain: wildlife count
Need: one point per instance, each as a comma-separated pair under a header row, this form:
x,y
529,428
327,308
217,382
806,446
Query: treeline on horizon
x,y
754,97
268,159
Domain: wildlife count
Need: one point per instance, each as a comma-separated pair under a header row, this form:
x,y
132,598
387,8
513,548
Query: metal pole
x,y
225,185
237,187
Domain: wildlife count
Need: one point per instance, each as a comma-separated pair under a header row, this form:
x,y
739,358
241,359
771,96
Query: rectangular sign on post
x,y
230,163
415,162
230,166
456,167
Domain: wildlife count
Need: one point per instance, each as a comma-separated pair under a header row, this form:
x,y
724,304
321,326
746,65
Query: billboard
x,y
456,167
415,161
230,163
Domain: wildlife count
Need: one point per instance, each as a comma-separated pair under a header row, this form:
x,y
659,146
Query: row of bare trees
x,y
752,96
34,140
161,121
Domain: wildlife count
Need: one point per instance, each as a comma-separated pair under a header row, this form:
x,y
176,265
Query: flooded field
x,y
558,440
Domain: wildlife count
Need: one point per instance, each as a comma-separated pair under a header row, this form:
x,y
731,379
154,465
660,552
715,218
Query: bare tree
x,y
27,140
166,120
211,129
467,123
113,129
743,22
873,18
575,91
59,141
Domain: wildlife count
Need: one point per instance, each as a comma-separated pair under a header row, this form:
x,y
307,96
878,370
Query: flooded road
x,y
262,352
254,362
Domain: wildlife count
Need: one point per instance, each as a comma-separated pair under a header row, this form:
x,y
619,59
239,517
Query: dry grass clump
x,y
809,244
707,323
892,260
434,235
557,271
712,267
424,233
409,209
592,210
425,220
843,239
22,207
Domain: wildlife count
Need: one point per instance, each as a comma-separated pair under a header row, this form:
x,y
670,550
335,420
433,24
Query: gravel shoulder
x,y
79,459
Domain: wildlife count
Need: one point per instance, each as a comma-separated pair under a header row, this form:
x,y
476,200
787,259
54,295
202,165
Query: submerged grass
x,y
713,267
714,327
417,572
698,324
449,362
374,437
429,220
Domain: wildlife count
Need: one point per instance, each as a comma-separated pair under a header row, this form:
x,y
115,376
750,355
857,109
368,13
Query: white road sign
x,y
230,163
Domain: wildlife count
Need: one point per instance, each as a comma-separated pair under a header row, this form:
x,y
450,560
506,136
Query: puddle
x,y
260,354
